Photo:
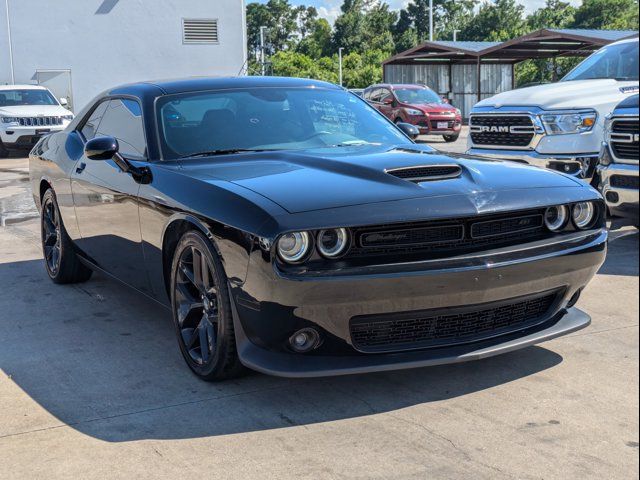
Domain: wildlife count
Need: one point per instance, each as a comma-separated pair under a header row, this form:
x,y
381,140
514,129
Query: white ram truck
x,y
28,112
559,126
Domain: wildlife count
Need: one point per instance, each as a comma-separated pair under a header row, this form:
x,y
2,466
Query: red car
x,y
418,105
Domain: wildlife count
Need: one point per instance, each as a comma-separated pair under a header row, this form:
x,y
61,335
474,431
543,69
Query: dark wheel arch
x,y
173,232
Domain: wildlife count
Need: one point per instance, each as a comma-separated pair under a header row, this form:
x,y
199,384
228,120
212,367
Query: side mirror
x,y
409,130
445,100
101,148
63,101
388,101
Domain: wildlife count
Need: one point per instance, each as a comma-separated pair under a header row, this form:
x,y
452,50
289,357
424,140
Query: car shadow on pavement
x,y
622,255
101,360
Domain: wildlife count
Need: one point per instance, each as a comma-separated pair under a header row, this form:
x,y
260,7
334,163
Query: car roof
x,y
394,86
22,87
197,84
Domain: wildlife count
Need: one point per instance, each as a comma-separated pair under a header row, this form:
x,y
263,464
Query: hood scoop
x,y
426,173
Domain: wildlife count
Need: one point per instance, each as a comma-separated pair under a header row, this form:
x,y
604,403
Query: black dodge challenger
x,y
292,229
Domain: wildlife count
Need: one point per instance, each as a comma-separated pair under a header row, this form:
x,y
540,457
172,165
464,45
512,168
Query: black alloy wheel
x,y
202,311
51,236
60,258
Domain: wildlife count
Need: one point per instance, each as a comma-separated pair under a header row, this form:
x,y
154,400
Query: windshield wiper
x,y
228,151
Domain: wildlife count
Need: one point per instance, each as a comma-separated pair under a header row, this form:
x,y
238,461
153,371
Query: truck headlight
x,y
413,111
67,117
568,122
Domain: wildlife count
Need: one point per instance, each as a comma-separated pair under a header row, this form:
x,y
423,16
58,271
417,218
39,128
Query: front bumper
x,y
23,138
270,306
581,165
622,202
426,126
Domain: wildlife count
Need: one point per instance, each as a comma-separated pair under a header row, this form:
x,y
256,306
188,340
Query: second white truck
x,y
560,125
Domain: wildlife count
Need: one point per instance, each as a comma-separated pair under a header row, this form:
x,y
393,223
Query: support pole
x,y
431,20
340,64
13,75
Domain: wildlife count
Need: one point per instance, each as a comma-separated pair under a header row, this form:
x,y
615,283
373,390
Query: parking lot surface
x,y
92,385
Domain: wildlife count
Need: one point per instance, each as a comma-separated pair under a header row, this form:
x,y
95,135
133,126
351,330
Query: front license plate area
x,y
443,125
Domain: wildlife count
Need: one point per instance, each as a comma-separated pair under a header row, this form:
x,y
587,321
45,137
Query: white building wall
x,y
109,42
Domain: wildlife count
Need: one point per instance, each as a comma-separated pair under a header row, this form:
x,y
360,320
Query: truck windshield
x,y
269,118
12,98
619,62
417,95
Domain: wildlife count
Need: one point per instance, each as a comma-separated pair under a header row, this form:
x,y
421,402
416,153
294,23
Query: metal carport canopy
x,y
544,43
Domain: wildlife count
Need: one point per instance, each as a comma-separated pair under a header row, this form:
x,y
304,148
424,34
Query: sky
x,y
330,9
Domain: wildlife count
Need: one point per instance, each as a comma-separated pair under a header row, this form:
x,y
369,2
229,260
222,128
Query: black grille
x,y
39,121
435,328
624,181
427,172
624,150
494,228
625,126
413,236
501,138
447,237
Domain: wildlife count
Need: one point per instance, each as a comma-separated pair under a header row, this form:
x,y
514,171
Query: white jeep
x,y
561,125
28,112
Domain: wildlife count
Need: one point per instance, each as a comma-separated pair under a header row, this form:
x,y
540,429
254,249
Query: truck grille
x,y
39,121
624,140
624,181
502,130
449,326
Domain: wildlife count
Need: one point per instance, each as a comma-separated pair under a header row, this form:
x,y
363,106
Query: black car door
x,y
106,198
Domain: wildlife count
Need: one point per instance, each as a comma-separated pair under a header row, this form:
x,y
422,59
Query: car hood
x,y
433,107
34,111
301,181
569,95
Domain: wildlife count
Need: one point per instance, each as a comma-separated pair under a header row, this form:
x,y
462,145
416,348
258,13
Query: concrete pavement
x,y
92,385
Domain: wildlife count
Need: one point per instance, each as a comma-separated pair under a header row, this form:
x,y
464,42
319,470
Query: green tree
x,y
496,21
607,14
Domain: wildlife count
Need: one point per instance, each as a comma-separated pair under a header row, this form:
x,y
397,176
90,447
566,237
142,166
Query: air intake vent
x,y
426,173
199,31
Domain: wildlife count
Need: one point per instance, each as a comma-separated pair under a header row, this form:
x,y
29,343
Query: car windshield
x,y
269,119
619,62
12,98
417,95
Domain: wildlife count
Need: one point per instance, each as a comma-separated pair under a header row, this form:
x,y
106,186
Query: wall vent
x,y
199,31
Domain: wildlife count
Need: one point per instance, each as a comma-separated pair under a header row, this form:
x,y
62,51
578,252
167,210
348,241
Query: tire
x,y
397,120
4,153
202,310
451,138
60,258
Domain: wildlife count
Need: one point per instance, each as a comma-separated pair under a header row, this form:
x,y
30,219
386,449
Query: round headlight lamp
x,y
333,243
293,247
583,215
555,218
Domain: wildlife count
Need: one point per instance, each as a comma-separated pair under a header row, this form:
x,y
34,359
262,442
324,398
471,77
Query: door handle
x,y
80,168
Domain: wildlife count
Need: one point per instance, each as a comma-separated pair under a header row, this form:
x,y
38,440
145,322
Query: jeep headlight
x,y
9,120
568,122
67,117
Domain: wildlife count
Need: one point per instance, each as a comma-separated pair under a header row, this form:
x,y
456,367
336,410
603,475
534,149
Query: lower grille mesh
x,y
428,328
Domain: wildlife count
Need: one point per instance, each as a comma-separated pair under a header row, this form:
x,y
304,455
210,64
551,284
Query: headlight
x,y
9,119
67,117
293,247
458,112
555,218
333,243
566,123
583,215
413,111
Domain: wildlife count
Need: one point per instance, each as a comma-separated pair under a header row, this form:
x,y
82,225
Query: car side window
x,y
123,121
384,95
91,125
375,95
